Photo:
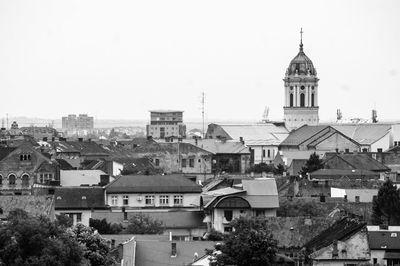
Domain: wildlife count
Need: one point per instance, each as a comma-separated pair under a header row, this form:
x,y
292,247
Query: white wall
x,y
258,152
383,143
189,199
86,215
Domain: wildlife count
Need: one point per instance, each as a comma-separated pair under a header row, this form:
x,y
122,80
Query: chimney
x,y
173,250
80,139
335,251
104,180
196,141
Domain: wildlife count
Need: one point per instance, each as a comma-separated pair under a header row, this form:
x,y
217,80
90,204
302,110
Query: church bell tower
x,y
301,91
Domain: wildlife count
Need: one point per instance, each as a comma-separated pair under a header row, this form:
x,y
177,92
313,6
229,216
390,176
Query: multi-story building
x,y
81,122
166,123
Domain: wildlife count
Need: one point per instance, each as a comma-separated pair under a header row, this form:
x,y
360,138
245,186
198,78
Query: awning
x,y
392,255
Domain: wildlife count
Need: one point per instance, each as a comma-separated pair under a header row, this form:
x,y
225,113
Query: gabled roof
x,y
358,161
153,184
340,230
385,240
83,147
260,187
338,173
79,198
300,135
5,151
257,133
365,134
64,165
221,147
153,252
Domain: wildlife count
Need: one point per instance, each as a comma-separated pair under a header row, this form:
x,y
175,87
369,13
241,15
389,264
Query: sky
x,y
120,59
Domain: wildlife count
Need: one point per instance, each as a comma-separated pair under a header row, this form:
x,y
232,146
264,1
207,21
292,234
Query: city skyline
x,y
120,61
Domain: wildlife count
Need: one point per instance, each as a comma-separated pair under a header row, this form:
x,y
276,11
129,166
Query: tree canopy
x,y
386,205
144,224
314,163
250,243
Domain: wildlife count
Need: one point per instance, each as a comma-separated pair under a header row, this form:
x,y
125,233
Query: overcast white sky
x,y
119,59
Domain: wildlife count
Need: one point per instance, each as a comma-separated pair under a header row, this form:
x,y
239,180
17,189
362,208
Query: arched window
x,y
25,158
11,179
291,100
1,180
312,100
25,180
21,157
302,100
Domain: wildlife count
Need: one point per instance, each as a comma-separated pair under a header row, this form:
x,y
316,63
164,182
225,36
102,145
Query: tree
x,y
386,206
314,163
144,224
27,240
64,220
95,248
105,228
250,243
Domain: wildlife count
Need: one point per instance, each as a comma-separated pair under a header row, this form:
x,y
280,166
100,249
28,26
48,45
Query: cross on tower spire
x,y
301,39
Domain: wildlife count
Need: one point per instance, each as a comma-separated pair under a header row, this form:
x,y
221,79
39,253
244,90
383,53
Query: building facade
x,y
77,123
301,92
165,124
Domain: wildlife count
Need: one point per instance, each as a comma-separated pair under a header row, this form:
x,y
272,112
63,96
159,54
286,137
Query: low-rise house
x,y
354,194
24,166
354,161
344,243
304,141
172,199
372,137
384,243
257,197
79,203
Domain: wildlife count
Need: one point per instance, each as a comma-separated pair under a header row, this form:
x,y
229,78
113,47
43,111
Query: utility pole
x,y
202,111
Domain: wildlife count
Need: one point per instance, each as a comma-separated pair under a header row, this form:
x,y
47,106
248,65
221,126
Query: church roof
x,y
301,64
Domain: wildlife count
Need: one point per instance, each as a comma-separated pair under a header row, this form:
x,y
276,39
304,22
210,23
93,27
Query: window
x,y
164,200
11,179
312,100
41,179
125,216
157,162
263,153
125,200
228,214
291,100
1,180
178,200
25,180
357,198
183,162
191,162
79,217
114,200
302,100
149,200
260,213
269,153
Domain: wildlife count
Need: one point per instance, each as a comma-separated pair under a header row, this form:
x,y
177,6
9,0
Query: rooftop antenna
x,y
265,114
7,120
339,115
2,122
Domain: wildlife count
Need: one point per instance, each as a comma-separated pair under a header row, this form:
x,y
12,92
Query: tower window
x,y
302,87
291,100
312,100
302,100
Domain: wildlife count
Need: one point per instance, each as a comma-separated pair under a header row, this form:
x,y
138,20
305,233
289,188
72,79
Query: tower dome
x,y
301,64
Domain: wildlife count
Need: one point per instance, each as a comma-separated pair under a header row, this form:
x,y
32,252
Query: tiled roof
x,y
64,165
4,151
153,184
79,198
262,133
364,133
300,135
340,230
262,201
384,240
260,187
83,147
151,252
342,172
359,161
221,147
